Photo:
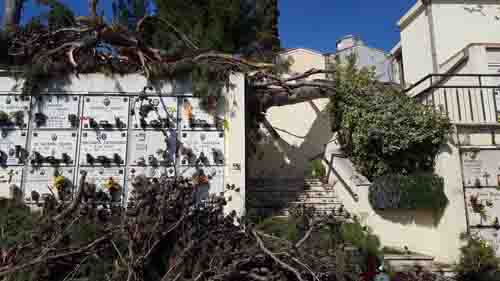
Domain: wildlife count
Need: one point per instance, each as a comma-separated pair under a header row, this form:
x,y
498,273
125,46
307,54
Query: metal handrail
x,y
432,85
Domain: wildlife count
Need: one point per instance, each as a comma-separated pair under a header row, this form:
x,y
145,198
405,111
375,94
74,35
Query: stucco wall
x,y
370,57
304,129
304,60
455,27
235,150
415,41
421,231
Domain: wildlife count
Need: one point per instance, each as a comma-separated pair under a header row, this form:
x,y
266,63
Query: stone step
x,y
296,199
296,196
283,182
319,211
288,193
323,207
295,187
278,195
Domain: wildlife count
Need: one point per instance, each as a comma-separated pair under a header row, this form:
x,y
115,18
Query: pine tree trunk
x,y
12,12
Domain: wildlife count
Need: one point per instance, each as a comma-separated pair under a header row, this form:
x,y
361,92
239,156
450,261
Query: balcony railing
x,y
464,98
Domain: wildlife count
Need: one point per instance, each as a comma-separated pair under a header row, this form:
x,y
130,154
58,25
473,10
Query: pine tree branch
x,y
276,259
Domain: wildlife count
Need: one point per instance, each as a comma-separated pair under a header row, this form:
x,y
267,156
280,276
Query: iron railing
x,y
464,98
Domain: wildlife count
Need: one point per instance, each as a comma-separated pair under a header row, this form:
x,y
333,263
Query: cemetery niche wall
x,y
481,178
115,131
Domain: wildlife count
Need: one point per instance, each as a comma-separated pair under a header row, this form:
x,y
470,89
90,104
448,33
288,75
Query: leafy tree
x,y
232,26
267,35
382,130
210,24
59,15
16,222
129,12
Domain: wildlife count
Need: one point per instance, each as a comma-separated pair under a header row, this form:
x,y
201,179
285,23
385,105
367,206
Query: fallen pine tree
x,y
165,233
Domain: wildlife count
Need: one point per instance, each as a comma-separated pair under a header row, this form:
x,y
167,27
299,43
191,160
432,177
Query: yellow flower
x,y
111,185
59,182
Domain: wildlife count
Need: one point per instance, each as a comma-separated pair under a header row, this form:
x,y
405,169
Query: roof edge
x,y
291,50
413,12
396,48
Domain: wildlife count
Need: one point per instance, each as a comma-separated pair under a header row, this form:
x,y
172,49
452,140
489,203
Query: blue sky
x,y
317,24
314,24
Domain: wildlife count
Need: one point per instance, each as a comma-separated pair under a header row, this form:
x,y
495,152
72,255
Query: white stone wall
x,y
304,129
459,23
416,45
420,231
304,60
77,95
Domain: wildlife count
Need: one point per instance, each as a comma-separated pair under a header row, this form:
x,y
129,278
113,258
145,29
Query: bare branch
x,y
4,271
273,256
278,81
306,236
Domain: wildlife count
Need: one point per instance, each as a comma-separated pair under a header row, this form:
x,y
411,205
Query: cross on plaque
x,y
486,176
11,175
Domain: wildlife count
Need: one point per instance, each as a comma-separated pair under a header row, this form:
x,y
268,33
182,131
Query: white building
x,y
449,58
448,37
366,56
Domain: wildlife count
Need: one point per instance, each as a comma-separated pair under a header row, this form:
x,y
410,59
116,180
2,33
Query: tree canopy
x,y
129,12
382,130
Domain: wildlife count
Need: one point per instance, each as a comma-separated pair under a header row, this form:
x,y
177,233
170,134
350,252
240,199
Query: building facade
x,y
449,59
438,36
373,58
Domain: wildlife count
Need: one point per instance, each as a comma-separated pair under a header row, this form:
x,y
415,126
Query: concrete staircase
x,y
277,196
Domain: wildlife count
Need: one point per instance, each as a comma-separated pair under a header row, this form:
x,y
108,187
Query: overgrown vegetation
x,y
317,169
382,130
362,237
16,222
419,274
280,227
353,233
167,233
478,261
408,192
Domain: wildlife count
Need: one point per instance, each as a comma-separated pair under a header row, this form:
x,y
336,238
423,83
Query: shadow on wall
x,y
56,86
278,159
426,218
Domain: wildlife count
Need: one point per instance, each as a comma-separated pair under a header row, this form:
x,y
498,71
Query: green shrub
x,y
16,221
353,234
317,169
362,238
413,192
381,129
478,261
